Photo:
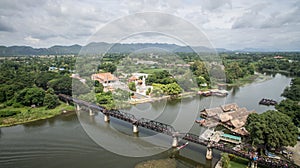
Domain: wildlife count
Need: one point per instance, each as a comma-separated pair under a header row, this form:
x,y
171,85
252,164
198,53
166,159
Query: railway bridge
x,y
169,130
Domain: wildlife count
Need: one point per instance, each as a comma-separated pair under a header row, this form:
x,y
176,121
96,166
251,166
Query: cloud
x,y
267,15
212,5
31,40
5,28
226,22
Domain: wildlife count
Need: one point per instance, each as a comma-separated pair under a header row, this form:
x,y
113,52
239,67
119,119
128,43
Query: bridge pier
x,y
106,118
78,107
209,152
91,112
174,141
135,128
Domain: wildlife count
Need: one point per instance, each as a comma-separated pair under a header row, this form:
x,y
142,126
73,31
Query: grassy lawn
x,y
28,114
238,162
234,164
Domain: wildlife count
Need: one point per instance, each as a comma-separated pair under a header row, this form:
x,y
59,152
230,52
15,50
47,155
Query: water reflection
x,y
234,90
38,123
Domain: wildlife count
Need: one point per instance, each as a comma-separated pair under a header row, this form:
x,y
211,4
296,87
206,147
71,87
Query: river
x,y
72,141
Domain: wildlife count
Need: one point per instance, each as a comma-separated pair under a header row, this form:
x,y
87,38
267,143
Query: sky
x,y
230,24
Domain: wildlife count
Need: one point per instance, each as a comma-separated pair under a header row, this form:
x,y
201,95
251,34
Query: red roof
x,y
104,77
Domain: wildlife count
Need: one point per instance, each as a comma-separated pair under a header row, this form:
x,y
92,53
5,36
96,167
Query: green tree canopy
x,y
161,77
293,92
168,89
51,101
31,96
61,85
131,86
290,108
200,69
108,67
43,78
272,129
79,88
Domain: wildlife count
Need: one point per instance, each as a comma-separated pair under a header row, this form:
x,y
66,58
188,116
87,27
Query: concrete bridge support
x,y
91,113
78,107
174,141
209,152
106,118
135,128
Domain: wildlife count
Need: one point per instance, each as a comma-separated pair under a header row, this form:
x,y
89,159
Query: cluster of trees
x,y
172,89
291,106
283,65
26,81
271,129
132,86
161,77
163,84
107,67
293,92
200,71
112,100
274,129
238,69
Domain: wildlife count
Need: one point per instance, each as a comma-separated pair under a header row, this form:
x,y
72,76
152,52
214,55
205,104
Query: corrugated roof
x,y
229,107
237,138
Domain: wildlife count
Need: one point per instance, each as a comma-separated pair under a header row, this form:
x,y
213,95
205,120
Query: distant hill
x,y
26,50
101,47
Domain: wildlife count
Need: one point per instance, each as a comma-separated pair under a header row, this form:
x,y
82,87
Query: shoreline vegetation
x,y
256,77
29,114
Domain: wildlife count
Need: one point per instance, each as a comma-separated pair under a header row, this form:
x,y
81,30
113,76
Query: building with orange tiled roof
x,y
105,78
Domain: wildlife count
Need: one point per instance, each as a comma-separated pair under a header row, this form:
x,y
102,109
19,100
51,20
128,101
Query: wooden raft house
x,y
230,116
268,102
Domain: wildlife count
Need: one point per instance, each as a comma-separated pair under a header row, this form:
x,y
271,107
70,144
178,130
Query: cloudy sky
x,y
230,24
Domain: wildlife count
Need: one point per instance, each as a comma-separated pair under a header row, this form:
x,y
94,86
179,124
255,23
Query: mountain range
x,y
101,47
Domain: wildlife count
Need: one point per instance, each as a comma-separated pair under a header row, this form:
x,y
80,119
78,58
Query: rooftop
x,y
104,77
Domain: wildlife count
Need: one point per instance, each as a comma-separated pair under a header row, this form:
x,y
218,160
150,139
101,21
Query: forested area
x,y
29,90
274,129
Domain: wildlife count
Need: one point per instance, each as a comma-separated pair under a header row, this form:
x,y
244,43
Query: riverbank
x,y
257,77
28,114
167,97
